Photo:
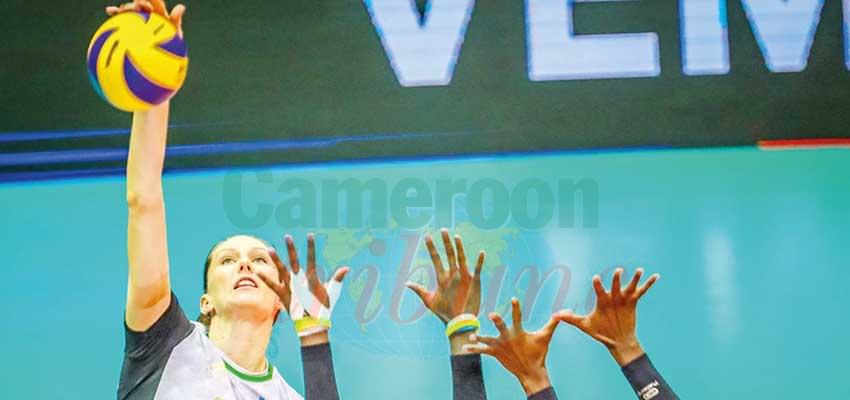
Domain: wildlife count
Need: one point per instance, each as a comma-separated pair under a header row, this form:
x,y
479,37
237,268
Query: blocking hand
x,y
457,292
520,352
302,293
612,321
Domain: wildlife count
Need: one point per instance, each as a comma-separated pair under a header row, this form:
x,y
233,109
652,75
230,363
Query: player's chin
x,y
252,298
246,296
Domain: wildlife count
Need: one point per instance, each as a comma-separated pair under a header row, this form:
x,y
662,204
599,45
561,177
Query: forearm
x,y
467,374
319,378
148,284
646,381
642,375
467,377
146,156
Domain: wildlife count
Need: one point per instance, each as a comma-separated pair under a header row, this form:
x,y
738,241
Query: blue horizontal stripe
x,y
427,158
118,154
6,137
61,174
47,135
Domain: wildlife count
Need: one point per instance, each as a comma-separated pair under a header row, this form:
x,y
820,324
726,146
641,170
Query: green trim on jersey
x,y
267,376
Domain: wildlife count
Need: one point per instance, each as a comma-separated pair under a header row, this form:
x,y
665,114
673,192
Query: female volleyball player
x,y
456,301
246,287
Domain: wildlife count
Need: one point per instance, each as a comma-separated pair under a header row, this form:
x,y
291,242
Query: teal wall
x,y
751,246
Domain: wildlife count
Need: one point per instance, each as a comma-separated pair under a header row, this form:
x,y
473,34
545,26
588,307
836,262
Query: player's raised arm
x,y
148,286
456,301
612,323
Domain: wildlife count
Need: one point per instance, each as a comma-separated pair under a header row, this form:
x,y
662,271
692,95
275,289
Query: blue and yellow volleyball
x,y
137,60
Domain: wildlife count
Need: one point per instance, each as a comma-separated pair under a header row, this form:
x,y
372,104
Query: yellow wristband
x,y
310,323
462,323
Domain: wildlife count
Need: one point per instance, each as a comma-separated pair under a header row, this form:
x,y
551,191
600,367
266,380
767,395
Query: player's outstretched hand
x,y
612,321
520,352
303,294
458,291
156,6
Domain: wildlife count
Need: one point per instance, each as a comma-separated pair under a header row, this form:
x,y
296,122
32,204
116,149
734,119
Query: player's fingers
x,y
478,348
311,256
313,281
569,317
340,274
634,282
281,268
282,290
500,324
461,256
435,257
516,314
159,7
549,329
177,17
646,285
293,254
479,265
488,340
599,289
450,251
269,282
615,282
420,291
144,5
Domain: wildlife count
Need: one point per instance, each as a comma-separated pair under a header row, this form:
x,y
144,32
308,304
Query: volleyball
x,y
137,60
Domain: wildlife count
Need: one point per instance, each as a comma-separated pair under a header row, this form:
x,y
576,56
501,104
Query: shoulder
x,y
166,332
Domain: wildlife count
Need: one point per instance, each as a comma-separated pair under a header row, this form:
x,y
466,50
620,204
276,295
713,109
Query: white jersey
x,y
175,360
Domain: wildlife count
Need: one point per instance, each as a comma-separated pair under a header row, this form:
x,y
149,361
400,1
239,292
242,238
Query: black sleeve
x,y
468,377
319,379
145,353
646,381
545,394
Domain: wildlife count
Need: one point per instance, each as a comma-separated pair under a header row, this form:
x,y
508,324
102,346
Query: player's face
x,y
234,285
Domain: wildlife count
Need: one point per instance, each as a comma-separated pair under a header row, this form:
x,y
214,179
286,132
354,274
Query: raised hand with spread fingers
x,y
308,301
458,293
520,352
310,304
456,301
612,323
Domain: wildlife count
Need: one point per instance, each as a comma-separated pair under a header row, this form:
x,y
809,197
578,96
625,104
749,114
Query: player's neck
x,y
244,341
